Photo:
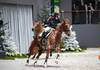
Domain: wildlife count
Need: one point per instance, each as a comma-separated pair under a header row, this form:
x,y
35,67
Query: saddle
x,y
45,35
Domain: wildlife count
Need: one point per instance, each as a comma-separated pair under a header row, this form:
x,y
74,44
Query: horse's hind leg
x,y
37,57
34,56
28,58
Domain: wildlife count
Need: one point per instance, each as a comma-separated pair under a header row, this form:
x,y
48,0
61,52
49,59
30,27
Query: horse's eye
x,y
32,29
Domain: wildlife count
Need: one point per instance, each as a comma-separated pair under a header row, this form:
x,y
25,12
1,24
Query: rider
x,y
50,24
53,20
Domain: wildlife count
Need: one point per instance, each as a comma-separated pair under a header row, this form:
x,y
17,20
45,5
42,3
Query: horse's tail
x,y
31,47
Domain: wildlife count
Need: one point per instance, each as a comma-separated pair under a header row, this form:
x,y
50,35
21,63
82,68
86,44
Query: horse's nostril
x,y
68,34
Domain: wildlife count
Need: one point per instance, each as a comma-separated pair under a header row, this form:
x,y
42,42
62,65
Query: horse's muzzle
x,y
68,32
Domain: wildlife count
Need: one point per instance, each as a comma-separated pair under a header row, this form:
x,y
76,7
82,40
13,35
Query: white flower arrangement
x,y
11,44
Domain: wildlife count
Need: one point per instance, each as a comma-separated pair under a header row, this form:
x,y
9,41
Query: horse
x,y
54,39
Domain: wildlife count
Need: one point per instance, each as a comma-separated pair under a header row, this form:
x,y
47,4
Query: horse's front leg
x,y
58,54
47,56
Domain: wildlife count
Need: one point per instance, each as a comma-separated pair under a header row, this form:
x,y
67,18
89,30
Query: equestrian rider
x,y
53,20
50,24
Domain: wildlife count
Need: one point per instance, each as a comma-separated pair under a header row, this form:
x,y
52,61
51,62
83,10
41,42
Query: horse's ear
x,y
40,22
67,21
63,22
34,24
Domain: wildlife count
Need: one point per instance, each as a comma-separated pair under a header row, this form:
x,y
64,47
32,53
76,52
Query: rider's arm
x,y
49,18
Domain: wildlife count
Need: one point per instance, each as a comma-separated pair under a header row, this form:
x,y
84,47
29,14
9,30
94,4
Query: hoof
x,y
27,61
50,54
26,64
56,61
45,65
35,63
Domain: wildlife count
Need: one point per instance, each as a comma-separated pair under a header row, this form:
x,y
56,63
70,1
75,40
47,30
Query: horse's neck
x,y
58,34
59,31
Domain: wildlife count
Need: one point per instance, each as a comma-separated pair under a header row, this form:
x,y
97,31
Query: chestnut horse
x,y
53,39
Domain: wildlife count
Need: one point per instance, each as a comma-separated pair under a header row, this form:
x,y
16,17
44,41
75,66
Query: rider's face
x,y
58,16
